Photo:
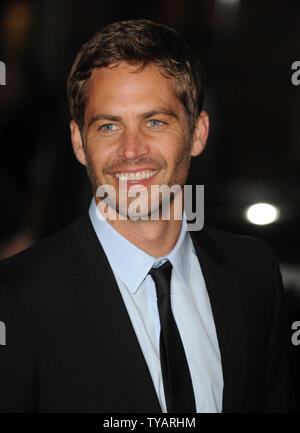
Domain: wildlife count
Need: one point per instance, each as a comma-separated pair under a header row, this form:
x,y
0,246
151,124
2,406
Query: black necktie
x,y
177,381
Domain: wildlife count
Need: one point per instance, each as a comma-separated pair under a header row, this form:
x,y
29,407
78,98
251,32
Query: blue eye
x,y
155,122
108,127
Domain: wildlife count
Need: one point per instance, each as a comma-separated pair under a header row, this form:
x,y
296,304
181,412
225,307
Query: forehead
x,y
124,86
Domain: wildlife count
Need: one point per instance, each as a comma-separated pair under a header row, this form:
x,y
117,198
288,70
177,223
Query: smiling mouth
x,y
137,177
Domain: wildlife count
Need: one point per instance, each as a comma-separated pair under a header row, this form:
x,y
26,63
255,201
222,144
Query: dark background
x,y
253,152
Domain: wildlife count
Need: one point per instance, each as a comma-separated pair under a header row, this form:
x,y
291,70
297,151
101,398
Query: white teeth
x,y
139,175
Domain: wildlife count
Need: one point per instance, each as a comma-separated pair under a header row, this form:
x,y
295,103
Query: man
x,y
119,313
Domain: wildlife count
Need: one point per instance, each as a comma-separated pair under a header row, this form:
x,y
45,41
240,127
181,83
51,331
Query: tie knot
x,y
162,278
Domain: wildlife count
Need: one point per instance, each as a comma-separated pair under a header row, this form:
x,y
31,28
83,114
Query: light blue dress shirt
x,y
190,305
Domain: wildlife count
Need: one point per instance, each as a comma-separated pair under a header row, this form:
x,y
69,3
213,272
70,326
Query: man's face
x,y
135,128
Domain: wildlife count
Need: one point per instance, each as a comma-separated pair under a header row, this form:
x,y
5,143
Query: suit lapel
x,y
113,325
224,294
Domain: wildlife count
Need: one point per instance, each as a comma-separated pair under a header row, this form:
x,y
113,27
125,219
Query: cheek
x,y
98,158
177,155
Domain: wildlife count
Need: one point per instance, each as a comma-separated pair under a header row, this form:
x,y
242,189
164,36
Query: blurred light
x,y
262,213
228,2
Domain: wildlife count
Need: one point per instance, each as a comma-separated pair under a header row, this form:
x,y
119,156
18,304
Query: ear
x,y
200,134
77,142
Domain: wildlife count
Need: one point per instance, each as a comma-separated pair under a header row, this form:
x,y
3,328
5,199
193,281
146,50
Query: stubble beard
x,y
179,177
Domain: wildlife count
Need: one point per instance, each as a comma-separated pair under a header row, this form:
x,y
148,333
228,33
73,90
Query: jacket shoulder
x,y
242,252
43,261
225,238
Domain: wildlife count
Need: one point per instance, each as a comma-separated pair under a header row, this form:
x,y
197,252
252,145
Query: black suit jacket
x,y
70,345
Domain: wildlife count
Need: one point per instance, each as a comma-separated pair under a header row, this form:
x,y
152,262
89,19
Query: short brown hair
x,y
139,42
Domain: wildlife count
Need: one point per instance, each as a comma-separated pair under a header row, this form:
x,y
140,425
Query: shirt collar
x,y
132,264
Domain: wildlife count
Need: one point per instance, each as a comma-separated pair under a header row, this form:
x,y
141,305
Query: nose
x,y
133,145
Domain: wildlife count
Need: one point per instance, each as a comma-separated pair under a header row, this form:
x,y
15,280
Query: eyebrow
x,y
142,116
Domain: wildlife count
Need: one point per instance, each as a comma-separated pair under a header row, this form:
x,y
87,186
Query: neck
x,y
155,237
